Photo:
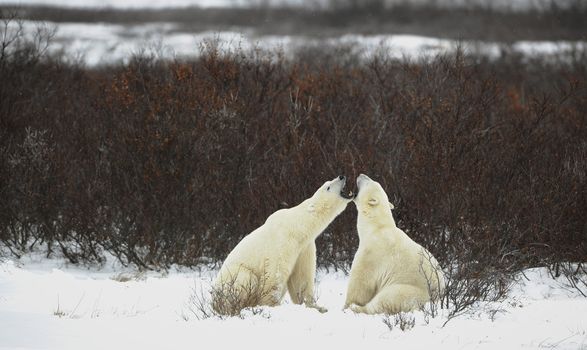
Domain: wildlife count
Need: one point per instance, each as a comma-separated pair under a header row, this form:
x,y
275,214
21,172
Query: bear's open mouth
x,y
346,194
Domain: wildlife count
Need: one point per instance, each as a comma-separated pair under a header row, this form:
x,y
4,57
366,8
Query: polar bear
x,y
279,255
390,272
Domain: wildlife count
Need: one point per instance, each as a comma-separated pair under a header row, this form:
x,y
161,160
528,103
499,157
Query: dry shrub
x,y
231,299
574,276
468,286
404,320
163,162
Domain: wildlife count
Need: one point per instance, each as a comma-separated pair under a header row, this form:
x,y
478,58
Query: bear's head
x,y
371,200
330,199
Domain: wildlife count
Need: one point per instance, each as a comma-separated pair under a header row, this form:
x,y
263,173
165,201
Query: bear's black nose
x,y
341,177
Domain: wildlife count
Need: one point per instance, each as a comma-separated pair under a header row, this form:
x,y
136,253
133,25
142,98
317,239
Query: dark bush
x,y
174,162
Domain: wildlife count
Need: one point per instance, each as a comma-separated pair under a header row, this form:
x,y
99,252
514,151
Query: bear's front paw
x,y
321,309
318,307
357,309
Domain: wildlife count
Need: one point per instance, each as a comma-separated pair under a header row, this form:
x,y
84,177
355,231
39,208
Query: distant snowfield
x,y
96,44
515,5
46,304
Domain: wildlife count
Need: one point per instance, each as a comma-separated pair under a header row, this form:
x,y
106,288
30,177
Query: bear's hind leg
x,y
394,299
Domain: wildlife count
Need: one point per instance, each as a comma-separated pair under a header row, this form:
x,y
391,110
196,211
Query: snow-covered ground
x,y
101,43
46,304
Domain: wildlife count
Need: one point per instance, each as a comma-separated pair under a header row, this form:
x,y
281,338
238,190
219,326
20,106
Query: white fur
x,y
390,272
281,254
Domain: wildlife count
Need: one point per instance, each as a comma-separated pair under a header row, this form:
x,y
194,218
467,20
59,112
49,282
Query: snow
x,y
48,304
98,43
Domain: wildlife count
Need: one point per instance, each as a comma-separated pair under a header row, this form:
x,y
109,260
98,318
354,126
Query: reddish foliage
x,y
169,162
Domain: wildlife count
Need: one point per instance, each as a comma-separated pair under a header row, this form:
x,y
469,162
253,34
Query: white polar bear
x,y
390,272
278,255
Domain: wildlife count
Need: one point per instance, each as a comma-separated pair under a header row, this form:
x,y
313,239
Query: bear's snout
x,y
343,193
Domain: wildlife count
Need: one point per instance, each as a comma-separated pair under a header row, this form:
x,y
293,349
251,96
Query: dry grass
x,y
403,320
231,299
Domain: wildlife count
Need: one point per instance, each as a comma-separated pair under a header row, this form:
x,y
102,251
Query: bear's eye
x,y
328,188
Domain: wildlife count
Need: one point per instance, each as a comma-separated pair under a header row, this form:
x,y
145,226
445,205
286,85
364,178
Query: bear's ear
x,y
391,206
312,208
373,201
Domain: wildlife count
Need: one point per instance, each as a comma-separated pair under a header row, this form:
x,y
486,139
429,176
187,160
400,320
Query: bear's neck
x,y
317,222
367,226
